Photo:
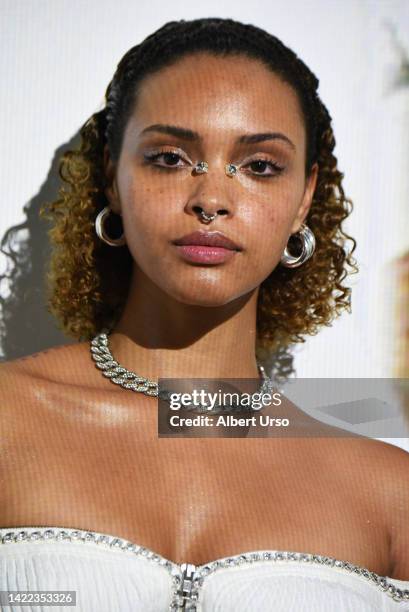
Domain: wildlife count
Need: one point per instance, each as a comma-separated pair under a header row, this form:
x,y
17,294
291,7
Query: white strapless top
x,y
111,574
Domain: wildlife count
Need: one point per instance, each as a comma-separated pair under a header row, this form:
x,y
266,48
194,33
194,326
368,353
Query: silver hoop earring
x,y
100,230
308,247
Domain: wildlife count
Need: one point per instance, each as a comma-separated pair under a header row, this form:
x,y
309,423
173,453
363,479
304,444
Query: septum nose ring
x,y
207,218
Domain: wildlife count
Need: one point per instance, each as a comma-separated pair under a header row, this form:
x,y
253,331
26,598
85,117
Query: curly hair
x,y
88,282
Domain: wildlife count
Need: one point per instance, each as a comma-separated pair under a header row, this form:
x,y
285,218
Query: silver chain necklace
x,y
127,379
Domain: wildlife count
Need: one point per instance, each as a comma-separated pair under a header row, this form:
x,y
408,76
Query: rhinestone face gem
x,y
202,167
189,598
231,169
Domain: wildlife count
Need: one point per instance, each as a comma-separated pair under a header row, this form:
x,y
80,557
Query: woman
x,y
209,126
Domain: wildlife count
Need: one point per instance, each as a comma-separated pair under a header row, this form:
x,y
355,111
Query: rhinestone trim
x,y
393,591
198,573
31,534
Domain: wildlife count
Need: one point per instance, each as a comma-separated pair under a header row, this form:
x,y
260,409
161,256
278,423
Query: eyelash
x,y
152,157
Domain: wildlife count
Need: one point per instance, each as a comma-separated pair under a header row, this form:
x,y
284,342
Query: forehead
x,y
219,95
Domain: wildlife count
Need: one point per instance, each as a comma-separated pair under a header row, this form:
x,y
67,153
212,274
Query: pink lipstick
x,y
207,247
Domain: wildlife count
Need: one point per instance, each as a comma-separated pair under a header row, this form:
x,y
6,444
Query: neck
x,y
160,337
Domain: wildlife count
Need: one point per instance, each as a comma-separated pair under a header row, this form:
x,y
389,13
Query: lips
x,y
211,239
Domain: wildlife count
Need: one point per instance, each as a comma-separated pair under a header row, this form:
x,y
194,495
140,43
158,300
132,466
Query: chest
x,y
197,500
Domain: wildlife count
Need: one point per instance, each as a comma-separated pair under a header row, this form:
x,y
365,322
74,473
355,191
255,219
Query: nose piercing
x,y
207,218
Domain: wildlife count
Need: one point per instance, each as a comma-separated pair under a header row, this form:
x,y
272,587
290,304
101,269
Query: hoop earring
x,y
100,230
308,247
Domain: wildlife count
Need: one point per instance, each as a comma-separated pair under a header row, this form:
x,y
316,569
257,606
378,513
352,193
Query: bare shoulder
x,y
384,465
386,472
376,475
31,385
39,395
394,493
68,364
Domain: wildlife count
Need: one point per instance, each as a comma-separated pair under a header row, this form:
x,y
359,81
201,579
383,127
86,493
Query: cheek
x,y
143,209
283,201
268,224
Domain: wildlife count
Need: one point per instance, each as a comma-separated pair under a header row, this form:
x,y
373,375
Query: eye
x,y
259,165
170,159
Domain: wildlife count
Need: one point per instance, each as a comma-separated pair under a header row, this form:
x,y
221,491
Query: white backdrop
x,y
57,58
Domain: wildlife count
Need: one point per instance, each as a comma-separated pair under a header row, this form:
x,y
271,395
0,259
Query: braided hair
x,y
88,282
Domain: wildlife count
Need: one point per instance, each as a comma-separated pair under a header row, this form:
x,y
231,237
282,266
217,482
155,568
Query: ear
x,y
305,206
111,189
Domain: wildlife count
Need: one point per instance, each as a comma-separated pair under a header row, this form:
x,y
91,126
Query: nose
x,y
211,197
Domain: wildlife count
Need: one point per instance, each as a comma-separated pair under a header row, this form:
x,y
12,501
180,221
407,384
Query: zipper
x,y
185,590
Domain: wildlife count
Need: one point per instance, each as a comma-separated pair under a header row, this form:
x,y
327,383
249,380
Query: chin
x,y
199,294
203,299
209,287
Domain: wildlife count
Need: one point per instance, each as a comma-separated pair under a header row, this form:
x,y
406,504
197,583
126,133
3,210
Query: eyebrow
x,y
190,135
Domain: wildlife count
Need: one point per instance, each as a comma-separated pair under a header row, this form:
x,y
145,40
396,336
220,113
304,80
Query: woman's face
x,y
216,101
